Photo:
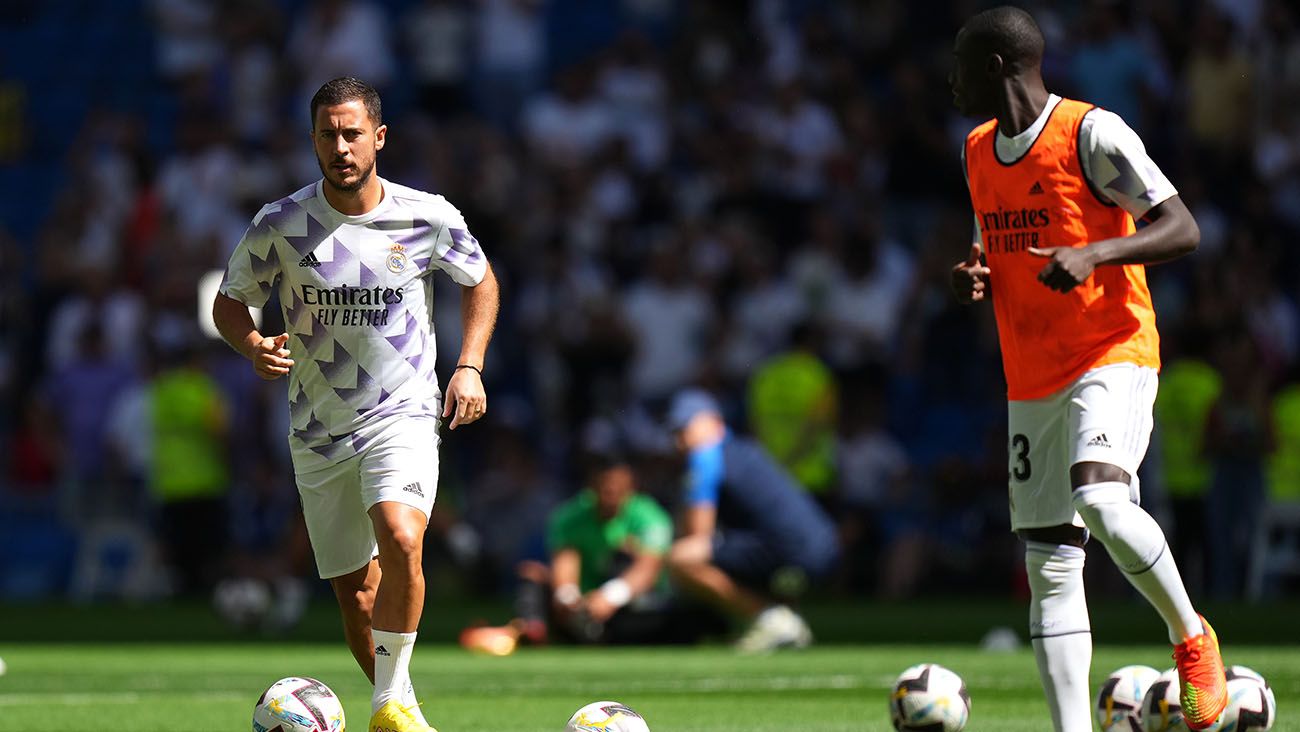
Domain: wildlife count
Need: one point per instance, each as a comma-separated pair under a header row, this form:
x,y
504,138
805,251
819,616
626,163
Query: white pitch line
x,y
109,697
703,685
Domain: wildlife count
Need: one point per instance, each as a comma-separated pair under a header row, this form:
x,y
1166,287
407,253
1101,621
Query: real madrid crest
x,y
396,258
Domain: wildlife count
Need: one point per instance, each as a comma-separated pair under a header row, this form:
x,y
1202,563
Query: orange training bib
x,y
1043,200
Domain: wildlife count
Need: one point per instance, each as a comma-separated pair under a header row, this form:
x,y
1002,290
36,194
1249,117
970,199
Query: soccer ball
x,y
1119,701
929,697
1162,711
1244,672
1251,705
298,704
606,716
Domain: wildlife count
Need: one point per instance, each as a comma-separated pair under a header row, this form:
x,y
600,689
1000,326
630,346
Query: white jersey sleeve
x,y
254,266
455,250
1117,165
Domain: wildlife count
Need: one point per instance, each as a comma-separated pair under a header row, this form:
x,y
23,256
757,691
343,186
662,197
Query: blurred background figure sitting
x,y
604,582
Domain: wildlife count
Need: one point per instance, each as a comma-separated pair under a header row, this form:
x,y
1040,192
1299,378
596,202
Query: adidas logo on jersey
x,y
413,488
381,651
1099,441
309,261
1036,189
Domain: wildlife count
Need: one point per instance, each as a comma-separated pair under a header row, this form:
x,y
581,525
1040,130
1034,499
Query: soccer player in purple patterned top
x,y
352,257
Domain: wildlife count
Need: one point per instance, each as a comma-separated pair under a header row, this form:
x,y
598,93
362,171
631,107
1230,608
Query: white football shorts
x,y
400,463
1105,416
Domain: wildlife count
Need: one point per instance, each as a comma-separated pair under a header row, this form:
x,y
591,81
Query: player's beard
x,y
363,176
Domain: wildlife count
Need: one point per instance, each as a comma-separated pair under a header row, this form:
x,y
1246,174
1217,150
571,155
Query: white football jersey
x,y
357,298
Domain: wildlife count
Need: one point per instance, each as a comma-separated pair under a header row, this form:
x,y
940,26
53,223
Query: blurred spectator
x,y
751,538
804,135
635,92
1238,437
569,126
1112,68
879,533
505,503
115,312
186,40
34,449
671,321
1189,389
1219,97
80,394
511,57
436,36
604,580
252,67
333,38
792,406
1283,467
189,473
864,303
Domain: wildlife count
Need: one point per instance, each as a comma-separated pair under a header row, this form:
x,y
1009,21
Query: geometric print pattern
x,y
357,310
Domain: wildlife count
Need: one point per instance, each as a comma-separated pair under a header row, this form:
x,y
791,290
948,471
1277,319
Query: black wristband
x,y
468,366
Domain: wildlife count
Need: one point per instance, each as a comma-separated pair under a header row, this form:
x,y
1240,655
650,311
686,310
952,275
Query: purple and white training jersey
x,y
357,298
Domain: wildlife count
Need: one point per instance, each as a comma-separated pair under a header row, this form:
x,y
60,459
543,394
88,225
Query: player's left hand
x,y
465,398
1067,267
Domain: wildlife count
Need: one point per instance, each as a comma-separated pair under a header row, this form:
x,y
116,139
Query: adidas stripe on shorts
x,y
398,463
1105,416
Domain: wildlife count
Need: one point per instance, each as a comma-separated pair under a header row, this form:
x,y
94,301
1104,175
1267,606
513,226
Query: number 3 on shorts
x,y
1021,469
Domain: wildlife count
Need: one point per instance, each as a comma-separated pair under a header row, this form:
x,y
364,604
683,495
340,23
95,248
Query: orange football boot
x,y
1203,689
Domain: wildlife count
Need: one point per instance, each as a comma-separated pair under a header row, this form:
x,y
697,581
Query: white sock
x,y
1060,632
392,666
409,700
1137,544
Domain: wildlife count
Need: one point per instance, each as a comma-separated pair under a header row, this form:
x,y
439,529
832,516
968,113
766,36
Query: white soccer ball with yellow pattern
x,y
298,704
606,716
929,698
1119,700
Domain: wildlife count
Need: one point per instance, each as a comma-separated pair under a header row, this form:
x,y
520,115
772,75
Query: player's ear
x,y
996,65
381,134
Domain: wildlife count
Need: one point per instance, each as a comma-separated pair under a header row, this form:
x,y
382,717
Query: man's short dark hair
x,y
347,89
1009,32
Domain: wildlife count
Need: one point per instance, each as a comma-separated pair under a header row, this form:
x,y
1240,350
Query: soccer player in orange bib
x,y
1056,185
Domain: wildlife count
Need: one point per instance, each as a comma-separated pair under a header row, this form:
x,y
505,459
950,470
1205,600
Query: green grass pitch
x,y
198,687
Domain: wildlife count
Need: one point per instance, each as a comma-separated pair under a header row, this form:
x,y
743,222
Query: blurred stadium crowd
x,y
761,198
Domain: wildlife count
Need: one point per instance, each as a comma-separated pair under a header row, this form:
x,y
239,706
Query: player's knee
x,y
688,552
1082,474
1093,499
1055,574
402,544
1062,534
1049,566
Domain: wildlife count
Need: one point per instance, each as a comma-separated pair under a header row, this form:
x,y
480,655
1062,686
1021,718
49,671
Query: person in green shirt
x,y
604,581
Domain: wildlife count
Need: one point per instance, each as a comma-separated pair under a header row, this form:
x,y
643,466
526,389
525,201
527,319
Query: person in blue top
x,y
750,532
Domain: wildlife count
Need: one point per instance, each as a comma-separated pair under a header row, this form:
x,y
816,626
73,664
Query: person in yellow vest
x,y
1189,387
1283,467
1056,185
792,412
187,469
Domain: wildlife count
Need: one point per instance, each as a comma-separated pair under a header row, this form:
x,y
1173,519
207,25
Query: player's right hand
x,y
270,357
970,278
